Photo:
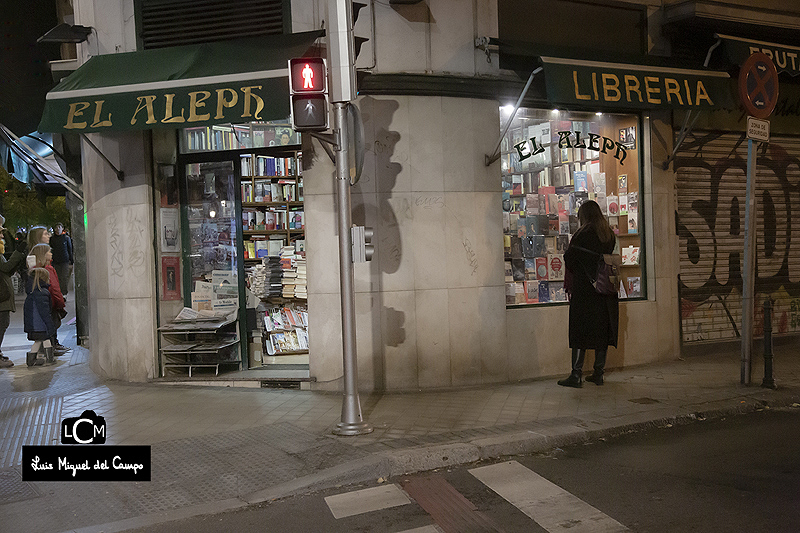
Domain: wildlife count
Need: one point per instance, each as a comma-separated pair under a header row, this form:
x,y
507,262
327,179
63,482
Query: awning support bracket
x,y
489,159
685,129
120,174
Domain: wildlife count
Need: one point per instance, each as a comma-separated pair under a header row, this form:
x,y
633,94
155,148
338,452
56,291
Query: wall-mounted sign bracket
x,y
489,159
687,126
120,174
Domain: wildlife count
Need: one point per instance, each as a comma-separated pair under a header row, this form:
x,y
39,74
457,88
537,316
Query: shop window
x,y
551,162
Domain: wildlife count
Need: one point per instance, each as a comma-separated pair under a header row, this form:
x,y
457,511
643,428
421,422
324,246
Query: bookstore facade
x,y
208,190
465,287
230,204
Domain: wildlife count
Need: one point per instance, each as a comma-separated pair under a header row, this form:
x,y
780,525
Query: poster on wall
x,y
627,137
171,278
170,230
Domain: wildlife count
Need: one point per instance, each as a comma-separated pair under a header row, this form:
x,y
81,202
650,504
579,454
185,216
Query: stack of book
x,y
287,262
300,287
273,275
258,279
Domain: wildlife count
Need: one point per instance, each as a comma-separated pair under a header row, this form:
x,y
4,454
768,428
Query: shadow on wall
x,y
388,323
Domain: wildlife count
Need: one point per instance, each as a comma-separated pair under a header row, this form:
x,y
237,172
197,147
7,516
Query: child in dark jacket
x,y
38,317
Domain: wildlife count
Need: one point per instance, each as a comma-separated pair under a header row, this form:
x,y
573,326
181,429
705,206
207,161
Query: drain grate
x,y
644,400
277,384
13,489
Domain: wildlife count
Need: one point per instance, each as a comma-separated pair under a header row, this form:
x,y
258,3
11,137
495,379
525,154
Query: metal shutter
x,y
176,22
711,176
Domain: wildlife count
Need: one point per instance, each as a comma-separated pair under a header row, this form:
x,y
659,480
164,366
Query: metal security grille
x,y
177,22
712,175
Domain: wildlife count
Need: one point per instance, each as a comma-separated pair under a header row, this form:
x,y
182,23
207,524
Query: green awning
x,y
603,85
786,58
194,85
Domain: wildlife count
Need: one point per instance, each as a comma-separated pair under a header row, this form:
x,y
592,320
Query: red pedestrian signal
x,y
308,88
307,75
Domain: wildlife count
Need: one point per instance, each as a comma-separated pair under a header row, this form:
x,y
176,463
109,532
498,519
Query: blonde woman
x,y
38,317
41,256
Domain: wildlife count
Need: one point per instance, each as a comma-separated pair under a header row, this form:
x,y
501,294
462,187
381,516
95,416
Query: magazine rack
x,y
205,342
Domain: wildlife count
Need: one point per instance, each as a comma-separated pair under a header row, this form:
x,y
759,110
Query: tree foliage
x,y
23,207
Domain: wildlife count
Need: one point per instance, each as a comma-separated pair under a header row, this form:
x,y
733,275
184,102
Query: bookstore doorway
x,y
243,229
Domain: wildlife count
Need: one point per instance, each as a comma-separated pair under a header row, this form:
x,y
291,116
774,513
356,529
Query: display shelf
x,y
201,343
271,198
238,137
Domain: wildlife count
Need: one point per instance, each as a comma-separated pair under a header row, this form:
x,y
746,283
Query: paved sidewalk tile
x,y
222,447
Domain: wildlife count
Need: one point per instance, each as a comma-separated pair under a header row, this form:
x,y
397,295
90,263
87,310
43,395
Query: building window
x,y
551,162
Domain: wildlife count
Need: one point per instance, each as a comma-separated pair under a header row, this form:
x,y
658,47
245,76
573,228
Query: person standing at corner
x,y
22,241
38,235
38,320
42,257
41,235
61,246
593,317
7,303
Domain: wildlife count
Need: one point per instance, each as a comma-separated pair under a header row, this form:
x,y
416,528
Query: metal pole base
x,y
769,384
349,429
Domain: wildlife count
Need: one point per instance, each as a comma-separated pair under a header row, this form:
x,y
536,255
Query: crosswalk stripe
x,y
366,500
550,506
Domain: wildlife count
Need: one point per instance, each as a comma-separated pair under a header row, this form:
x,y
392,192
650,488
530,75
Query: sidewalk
x,y
217,448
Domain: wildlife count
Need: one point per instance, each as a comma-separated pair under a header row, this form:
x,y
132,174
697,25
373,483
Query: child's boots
x,y
48,352
32,359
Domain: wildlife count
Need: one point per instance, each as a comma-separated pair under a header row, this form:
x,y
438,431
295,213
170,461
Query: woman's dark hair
x,y
590,215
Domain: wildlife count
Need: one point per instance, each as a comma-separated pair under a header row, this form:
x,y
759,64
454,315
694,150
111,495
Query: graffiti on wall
x,y
710,227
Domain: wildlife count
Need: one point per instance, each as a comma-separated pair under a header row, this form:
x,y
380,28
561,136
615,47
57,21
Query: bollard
x,y
769,381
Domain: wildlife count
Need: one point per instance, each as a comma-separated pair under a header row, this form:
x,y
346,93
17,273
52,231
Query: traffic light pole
x,y
352,422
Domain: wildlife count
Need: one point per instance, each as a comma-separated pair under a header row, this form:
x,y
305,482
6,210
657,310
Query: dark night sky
x,y
24,71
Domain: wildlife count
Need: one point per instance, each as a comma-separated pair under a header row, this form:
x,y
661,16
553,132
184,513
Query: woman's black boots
x,y
599,367
574,379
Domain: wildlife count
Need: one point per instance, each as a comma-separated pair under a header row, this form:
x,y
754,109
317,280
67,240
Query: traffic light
x,y
308,91
363,250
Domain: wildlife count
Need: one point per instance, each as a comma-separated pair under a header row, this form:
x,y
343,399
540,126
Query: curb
x,y
383,465
436,456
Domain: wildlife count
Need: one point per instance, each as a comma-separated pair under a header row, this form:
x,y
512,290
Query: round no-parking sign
x,y
758,85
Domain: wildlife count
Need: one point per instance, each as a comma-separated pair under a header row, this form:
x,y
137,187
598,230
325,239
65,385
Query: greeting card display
x,y
541,268
555,267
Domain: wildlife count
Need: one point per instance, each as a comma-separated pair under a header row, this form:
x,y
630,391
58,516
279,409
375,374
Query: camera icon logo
x,y
89,428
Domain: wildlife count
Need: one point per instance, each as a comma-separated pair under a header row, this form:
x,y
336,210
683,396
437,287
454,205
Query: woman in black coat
x,y
593,317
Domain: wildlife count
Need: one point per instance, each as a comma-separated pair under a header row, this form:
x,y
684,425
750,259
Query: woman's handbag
x,y
605,279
